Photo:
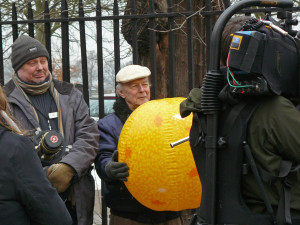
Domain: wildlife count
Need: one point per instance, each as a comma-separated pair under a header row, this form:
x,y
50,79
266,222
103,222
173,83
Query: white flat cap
x,y
132,72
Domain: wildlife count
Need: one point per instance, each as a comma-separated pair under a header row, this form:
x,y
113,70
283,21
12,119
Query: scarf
x,y
37,89
121,109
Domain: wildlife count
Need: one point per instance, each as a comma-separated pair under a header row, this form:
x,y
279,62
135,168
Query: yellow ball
x,y
160,177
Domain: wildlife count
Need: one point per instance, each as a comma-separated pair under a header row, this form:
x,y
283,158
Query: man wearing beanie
x,y
133,90
41,104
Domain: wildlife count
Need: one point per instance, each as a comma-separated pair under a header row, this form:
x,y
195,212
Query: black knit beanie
x,y
26,48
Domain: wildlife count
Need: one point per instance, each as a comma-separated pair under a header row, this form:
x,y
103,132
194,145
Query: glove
x,y
192,103
60,176
116,170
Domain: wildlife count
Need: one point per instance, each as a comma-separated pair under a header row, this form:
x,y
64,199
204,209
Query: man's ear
x,y
121,93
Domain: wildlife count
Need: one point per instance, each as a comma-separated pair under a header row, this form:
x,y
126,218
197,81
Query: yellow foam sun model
x,y
160,177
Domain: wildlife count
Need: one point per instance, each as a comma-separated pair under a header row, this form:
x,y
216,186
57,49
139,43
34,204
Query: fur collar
x,y
121,109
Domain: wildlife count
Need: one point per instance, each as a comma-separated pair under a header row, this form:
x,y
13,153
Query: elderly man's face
x,y
35,70
135,92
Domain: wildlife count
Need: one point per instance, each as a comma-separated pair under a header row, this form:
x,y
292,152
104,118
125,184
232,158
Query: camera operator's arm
x,y
192,103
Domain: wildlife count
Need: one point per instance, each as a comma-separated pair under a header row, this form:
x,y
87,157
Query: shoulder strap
x,y
288,176
258,180
197,136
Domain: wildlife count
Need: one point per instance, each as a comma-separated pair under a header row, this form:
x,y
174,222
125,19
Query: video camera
x,y
263,59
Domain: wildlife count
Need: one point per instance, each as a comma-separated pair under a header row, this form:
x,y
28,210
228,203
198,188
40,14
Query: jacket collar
x,y
121,109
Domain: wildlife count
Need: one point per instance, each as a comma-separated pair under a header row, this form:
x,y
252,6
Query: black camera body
x,y
50,148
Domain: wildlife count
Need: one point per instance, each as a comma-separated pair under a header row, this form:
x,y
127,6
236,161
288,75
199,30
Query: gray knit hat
x,y
26,48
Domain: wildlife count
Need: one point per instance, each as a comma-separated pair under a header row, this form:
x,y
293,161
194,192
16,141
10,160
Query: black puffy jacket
x,y
26,196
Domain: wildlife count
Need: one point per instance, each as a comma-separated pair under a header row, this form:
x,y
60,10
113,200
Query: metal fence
x,y
81,19
151,15
46,20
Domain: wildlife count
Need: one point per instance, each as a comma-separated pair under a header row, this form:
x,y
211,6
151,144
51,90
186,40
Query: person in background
x,y
133,90
43,104
26,195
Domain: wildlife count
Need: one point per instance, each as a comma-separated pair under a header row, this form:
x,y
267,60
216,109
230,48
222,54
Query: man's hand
x,y
60,176
116,170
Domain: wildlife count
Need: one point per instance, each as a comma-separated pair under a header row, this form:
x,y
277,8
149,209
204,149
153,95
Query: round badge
x,y
54,139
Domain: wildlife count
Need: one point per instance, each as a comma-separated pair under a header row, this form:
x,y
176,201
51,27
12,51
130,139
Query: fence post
x,y
84,68
1,55
172,82
100,72
116,37
190,34
30,17
14,18
152,47
65,41
100,92
47,28
208,28
134,33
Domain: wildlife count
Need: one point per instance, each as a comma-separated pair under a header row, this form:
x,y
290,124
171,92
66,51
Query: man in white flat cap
x,y
133,90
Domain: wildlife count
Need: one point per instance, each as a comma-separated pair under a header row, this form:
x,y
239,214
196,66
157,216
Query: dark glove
x,y
192,103
116,170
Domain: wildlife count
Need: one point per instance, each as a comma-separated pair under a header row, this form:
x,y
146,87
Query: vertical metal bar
x,y
84,67
100,84
30,17
1,54
116,37
152,47
172,83
210,190
65,42
47,28
14,18
104,207
100,92
208,28
134,34
190,34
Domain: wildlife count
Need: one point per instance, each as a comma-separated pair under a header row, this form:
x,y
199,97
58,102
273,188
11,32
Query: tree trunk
x,y
181,44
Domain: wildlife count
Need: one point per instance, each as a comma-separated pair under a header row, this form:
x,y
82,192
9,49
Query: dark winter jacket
x,y
273,135
26,195
80,131
116,195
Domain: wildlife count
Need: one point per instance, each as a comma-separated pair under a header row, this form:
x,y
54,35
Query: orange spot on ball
x,y
128,152
158,120
157,202
193,172
188,129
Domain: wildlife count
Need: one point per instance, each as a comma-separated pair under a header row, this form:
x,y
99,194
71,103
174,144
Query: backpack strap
x,y
287,176
197,136
258,180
